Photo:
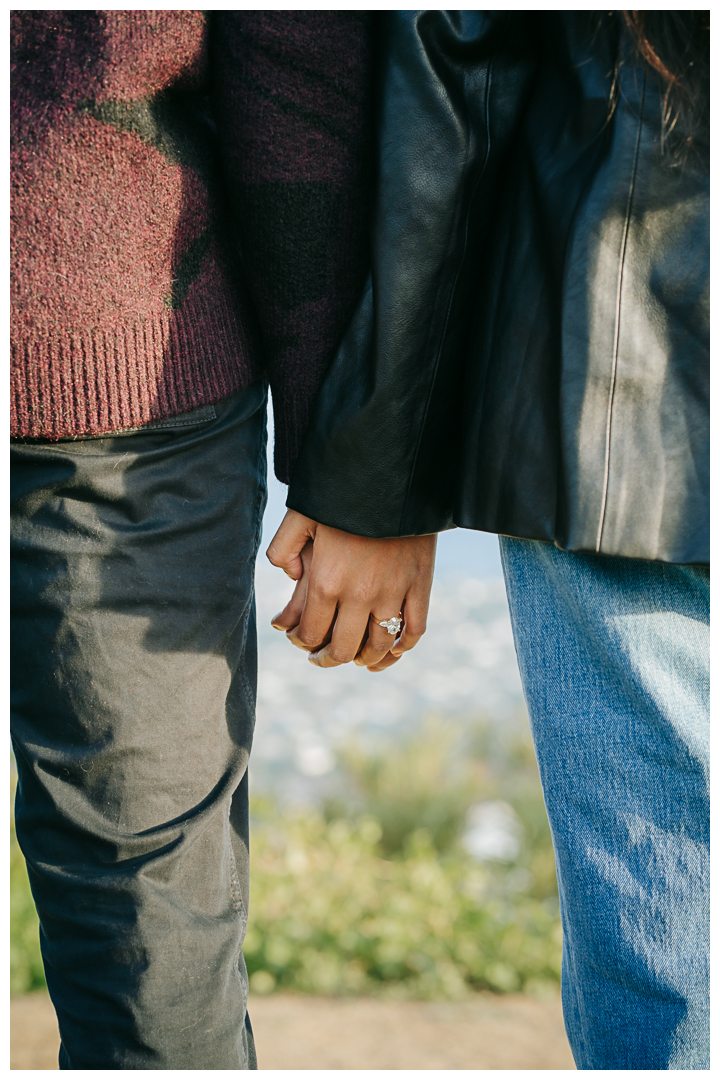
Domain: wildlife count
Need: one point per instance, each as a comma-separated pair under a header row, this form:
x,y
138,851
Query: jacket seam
x,y
450,301
616,341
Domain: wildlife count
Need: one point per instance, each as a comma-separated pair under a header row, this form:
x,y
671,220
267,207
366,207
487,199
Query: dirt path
x,y
487,1032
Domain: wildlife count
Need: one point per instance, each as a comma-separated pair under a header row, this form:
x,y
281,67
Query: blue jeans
x,y
614,659
134,669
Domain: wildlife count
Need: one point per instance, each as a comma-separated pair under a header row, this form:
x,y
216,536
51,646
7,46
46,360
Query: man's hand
x,y
342,580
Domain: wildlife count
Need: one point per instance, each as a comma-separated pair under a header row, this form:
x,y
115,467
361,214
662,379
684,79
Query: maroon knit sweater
x,y
189,205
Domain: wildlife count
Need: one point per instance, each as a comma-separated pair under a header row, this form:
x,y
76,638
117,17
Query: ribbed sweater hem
x,y
94,381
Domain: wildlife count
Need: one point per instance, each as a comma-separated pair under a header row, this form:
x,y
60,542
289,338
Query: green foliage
x,y
331,915
26,969
376,894
423,783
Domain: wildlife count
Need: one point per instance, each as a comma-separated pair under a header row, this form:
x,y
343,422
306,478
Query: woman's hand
x,y
342,580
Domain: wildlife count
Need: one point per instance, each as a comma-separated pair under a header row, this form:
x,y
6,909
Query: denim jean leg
x,y
134,673
614,659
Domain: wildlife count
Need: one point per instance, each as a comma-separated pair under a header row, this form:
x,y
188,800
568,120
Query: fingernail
x,y
274,622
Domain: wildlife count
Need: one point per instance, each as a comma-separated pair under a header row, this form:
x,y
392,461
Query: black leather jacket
x,y
530,356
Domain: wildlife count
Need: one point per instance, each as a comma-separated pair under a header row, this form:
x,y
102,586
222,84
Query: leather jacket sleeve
x,y
379,455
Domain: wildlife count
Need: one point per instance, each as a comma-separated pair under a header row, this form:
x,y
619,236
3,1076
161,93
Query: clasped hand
x,y
341,581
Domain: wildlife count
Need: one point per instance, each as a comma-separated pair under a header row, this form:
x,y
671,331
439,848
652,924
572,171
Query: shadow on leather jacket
x,y
530,355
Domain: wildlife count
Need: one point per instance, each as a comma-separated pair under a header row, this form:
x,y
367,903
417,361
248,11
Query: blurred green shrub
x,y
376,894
329,914
26,969
427,782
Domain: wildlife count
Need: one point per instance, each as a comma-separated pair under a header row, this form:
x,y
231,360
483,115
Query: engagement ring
x,y
393,626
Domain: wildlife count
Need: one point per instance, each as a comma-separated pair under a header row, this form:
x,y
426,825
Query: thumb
x,y
288,542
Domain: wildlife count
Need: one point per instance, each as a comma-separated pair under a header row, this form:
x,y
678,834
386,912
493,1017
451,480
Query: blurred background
x,y
399,849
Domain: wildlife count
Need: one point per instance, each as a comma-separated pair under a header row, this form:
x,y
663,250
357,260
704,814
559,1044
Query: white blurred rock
x,y
493,832
315,759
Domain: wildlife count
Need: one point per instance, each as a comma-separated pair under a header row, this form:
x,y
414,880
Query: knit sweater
x,y
189,203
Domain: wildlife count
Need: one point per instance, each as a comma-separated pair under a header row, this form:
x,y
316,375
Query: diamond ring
x,y
393,626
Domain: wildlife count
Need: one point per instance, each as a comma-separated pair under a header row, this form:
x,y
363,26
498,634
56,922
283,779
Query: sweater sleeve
x,y
292,102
